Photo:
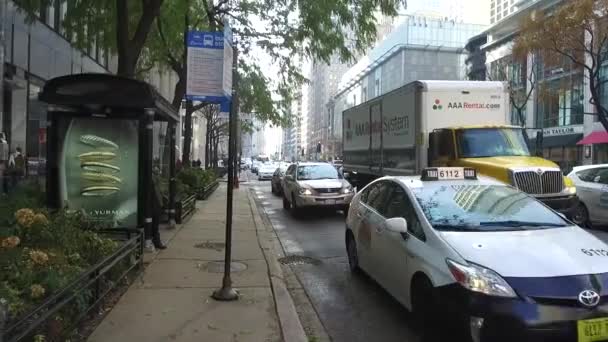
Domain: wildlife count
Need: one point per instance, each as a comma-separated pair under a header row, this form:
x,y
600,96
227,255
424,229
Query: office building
x,y
500,9
34,52
560,111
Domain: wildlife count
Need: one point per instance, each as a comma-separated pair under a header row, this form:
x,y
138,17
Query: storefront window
x,y
566,157
600,153
36,133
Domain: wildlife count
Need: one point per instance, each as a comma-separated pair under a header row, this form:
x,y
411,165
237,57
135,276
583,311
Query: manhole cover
x,y
218,246
298,260
218,267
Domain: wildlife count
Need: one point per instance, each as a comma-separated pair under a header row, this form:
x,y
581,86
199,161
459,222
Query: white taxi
x,y
481,253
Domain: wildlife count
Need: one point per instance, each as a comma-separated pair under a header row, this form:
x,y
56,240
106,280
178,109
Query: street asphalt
x,y
350,307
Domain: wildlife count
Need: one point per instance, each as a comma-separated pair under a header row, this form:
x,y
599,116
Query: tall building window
x,y
561,102
378,82
603,87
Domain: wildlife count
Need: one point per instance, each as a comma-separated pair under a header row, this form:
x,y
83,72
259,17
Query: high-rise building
x,y
500,9
468,11
324,79
292,135
557,103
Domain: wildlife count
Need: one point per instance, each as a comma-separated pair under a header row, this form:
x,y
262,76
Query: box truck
x,y
448,123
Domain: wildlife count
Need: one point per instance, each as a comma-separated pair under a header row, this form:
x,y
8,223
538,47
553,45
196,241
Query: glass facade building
x,y
559,104
36,50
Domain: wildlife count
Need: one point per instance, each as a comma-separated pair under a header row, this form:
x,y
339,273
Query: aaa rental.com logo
x,y
466,105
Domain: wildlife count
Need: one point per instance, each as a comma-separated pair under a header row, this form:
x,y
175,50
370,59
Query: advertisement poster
x,y
98,169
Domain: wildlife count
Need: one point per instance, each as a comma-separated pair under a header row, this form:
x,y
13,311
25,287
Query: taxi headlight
x,y
480,279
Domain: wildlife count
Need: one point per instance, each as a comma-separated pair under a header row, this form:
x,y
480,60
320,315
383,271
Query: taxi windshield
x,y
475,207
491,142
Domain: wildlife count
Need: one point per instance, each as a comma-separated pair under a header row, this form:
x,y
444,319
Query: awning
x,y
561,140
597,137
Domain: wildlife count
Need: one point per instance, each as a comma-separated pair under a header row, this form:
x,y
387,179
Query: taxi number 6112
x,y
595,252
450,173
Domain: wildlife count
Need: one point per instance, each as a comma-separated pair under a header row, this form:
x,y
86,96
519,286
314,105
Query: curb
x,y
291,327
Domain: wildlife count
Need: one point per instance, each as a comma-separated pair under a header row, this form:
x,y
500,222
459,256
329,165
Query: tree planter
x,y
80,296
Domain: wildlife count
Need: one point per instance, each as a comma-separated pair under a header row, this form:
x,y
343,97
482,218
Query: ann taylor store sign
x,y
563,130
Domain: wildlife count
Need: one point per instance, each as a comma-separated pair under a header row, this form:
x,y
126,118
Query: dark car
x,y
277,179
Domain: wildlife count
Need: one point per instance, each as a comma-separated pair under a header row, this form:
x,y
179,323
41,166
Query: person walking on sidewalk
x,y
153,240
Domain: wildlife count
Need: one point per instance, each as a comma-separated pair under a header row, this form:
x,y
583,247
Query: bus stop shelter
x,y
100,148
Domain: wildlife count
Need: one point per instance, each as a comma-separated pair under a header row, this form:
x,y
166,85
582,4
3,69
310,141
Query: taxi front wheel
x,y
424,303
286,204
351,250
581,215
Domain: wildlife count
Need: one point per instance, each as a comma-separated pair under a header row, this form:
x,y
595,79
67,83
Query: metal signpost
x,y
212,78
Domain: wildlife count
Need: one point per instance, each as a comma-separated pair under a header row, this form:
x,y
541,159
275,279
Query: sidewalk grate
x,y
298,260
218,246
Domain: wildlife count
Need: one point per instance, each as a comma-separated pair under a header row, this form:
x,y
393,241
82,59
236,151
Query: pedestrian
x,y
157,205
16,167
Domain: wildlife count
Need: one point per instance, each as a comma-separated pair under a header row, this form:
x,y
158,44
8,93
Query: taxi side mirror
x,y
396,225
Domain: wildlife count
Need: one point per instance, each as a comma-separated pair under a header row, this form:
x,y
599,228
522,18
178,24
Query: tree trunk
x,y
187,134
129,49
179,91
216,142
206,142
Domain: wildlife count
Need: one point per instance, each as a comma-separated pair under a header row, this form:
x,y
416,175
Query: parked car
x,y
255,166
276,185
315,185
591,183
266,171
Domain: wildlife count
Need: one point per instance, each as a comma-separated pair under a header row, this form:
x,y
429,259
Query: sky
x,y
469,11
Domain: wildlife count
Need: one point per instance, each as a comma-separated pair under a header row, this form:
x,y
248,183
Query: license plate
x,y
592,330
330,201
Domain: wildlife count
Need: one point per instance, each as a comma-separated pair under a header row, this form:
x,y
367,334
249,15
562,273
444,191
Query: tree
x,y
122,26
282,29
576,33
520,77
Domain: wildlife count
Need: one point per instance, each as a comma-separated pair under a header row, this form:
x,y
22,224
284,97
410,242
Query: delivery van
x,y
448,123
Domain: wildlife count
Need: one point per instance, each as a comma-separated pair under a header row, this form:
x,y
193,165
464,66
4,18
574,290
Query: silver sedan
x,y
592,189
315,185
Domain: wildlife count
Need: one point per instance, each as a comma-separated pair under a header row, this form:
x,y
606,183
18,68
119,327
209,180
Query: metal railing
x,y
205,192
185,208
96,280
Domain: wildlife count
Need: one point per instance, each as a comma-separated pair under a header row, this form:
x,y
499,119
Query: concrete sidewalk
x,y
171,300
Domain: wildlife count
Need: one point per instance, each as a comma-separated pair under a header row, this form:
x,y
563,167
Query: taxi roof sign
x,y
448,173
